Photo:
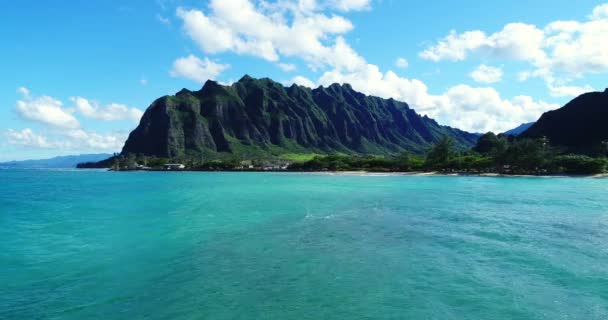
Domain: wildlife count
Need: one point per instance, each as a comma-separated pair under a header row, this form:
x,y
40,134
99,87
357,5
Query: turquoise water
x,y
150,245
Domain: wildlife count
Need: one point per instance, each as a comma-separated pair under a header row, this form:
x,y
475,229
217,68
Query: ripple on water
x,y
223,246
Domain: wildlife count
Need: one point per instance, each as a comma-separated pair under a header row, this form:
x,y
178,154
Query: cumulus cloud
x,y
46,110
302,81
600,12
81,139
350,5
476,109
515,41
193,68
568,91
27,138
487,74
573,48
110,112
272,30
298,29
63,131
402,63
75,139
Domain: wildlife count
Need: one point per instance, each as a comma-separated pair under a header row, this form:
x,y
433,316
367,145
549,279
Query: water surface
x,y
154,245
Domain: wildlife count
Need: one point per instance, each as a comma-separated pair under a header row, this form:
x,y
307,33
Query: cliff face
x,y
580,126
262,116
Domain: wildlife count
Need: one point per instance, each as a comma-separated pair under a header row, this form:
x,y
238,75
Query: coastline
x,y
391,173
457,174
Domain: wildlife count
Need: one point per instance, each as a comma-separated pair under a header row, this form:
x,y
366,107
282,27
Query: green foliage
x,y
491,144
491,154
440,154
298,157
579,164
155,162
402,162
528,155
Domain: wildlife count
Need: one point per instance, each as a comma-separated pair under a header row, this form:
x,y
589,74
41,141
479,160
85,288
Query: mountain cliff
x,y
260,116
580,126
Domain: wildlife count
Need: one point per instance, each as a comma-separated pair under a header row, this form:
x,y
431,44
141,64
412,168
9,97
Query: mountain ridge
x,y
579,126
261,116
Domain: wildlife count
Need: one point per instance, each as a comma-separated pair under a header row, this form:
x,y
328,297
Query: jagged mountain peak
x,y
246,78
261,116
183,91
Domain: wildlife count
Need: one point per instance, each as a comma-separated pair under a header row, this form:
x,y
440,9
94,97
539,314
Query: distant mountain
x,y
581,126
57,162
262,117
519,130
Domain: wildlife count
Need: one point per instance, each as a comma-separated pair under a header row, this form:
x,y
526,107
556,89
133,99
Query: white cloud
x,y
302,81
64,131
402,63
487,74
269,31
308,6
80,139
287,67
476,109
143,81
600,12
272,31
110,112
45,110
455,46
74,139
568,91
517,41
350,5
24,91
193,68
571,48
27,138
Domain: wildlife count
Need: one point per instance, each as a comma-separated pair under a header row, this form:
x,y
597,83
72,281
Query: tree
x,y
439,155
529,155
403,161
491,144
580,164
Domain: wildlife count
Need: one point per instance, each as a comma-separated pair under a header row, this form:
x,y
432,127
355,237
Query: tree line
x,y
492,154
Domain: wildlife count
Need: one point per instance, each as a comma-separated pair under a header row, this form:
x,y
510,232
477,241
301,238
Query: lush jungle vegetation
x,y
492,154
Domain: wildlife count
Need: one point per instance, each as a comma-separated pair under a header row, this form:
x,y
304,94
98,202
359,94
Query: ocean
x,y
192,245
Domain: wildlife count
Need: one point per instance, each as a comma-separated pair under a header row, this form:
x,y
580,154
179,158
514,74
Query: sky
x,y
78,75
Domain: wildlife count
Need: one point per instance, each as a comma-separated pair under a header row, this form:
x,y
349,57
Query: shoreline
x,y
459,174
391,173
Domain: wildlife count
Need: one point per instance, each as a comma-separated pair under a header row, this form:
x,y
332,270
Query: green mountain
x,y
254,117
578,127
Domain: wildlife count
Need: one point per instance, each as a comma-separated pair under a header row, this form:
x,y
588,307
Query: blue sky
x,y
78,75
